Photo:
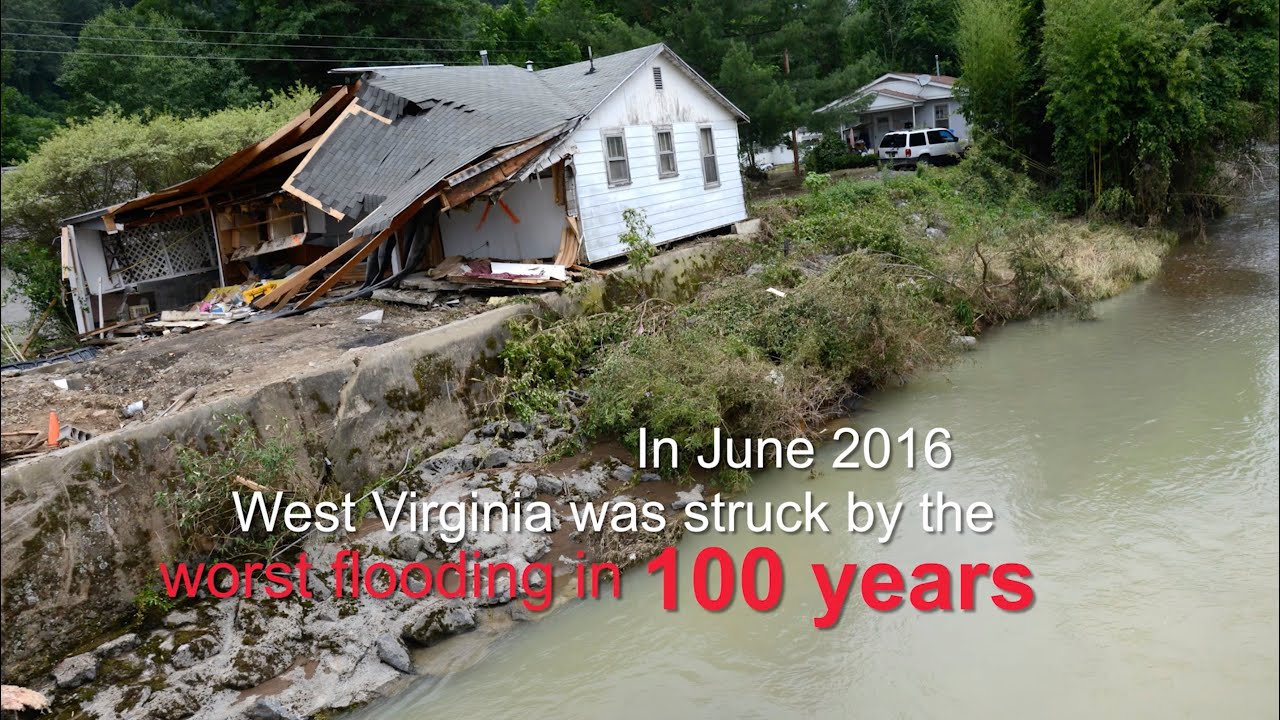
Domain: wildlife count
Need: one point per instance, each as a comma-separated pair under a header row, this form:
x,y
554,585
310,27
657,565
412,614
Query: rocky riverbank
x,y
296,658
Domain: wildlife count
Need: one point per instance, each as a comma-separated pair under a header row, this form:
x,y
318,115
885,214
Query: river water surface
x,y
1132,464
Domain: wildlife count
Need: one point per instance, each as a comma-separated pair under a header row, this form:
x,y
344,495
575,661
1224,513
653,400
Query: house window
x,y
657,78
666,153
615,156
707,145
942,115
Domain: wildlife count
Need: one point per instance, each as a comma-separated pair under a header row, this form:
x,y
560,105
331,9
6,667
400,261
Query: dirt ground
x,y
215,360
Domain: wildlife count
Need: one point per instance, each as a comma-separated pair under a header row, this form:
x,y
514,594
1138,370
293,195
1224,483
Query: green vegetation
x,y
877,278
238,460
114,157
1125,107
638,238
833,153
37,280
151,605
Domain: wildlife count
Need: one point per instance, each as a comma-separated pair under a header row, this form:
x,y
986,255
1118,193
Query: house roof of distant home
x,y
910,90
379,149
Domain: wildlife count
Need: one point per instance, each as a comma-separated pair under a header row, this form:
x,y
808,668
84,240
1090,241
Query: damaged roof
x,y
411,128
375,151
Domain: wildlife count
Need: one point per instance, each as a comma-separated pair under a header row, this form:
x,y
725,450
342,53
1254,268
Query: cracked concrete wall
x,y
81,534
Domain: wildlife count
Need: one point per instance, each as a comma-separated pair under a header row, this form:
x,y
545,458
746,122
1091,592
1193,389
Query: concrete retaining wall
x,y
82,534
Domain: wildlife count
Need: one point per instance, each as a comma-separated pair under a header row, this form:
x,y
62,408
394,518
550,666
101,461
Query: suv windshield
x,y
894,140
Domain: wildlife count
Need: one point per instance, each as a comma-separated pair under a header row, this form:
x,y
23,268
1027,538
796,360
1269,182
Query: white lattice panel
x,y
169,248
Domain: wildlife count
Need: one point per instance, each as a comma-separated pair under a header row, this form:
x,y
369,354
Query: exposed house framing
x,y
382,177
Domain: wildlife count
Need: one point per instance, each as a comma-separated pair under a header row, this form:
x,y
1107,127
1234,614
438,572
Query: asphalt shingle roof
x,y
443,119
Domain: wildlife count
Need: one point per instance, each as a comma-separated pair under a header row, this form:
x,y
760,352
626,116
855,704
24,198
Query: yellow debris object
x,y
259,290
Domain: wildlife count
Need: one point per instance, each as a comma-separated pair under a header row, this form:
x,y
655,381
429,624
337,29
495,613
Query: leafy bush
x,y
638,238
829,153
816,180
543,360
111,158
833,153
201,499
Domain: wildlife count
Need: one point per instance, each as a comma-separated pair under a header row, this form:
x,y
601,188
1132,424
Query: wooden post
x,y
795,143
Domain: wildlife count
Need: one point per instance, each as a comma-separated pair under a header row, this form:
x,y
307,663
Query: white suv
x,y
909,147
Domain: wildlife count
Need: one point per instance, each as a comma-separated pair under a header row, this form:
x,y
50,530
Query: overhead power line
x,y
334,61
259,32
248,44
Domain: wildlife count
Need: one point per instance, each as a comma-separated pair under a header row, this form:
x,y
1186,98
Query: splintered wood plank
x,y
283,157
354,260
291,285
407,297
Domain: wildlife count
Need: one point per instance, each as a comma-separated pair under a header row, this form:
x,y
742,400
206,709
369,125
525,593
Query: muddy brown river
x,y
1132,464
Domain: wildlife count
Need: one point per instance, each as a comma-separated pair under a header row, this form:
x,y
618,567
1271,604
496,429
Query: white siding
x,y
676,207
536,236
959,125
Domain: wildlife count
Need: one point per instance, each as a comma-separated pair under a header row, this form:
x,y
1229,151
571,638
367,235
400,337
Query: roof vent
x,y
484,57
657,78
591,61
528,65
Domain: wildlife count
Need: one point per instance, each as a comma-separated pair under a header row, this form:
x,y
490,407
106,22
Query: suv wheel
x,y
923,160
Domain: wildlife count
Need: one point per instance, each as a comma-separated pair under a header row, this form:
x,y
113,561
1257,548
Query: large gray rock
x,y
172,704
457,459
684,497
515,430
75,671
127,641
497,457
586,485
550,485
527,486
270,709
405,546
190,653
392,652
437,622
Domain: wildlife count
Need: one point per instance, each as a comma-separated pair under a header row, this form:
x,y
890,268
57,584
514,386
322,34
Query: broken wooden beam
x,y
354,260
292,284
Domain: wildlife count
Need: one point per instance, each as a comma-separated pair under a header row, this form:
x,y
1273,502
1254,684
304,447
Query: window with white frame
x,y
615,157
666,141
942,115
707,146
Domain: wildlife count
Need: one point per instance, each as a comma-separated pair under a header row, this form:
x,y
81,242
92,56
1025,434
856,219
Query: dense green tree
x,y
112,157
756,89
1141,100
142,62
907,35
25,125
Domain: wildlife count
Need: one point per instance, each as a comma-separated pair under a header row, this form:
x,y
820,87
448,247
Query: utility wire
x,y
333,61
259,32
244,44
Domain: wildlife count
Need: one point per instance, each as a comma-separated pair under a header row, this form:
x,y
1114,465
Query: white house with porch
x,y
900,101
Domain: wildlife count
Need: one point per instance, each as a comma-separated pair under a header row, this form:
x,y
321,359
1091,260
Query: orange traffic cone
x,y
54,429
